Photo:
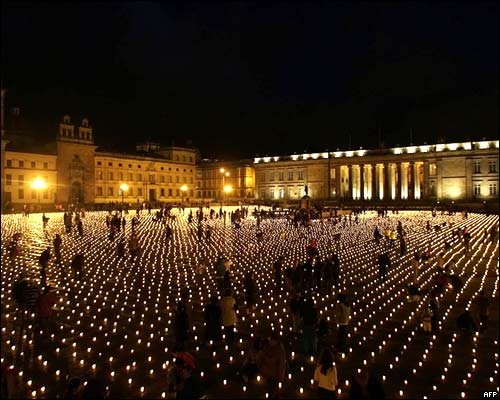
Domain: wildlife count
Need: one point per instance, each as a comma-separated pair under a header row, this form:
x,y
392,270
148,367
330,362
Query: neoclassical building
x,y
76,171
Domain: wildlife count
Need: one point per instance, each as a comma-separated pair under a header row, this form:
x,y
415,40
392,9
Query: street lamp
x,y
38,184
224,174
227,189
123,189
184,189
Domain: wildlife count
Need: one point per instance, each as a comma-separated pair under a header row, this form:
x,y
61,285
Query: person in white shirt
x,y
325,376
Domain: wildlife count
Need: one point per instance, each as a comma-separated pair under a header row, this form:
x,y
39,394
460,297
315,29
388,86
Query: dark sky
x,y
241,79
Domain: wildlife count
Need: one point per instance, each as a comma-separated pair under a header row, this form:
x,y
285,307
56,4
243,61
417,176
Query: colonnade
x,y
381,181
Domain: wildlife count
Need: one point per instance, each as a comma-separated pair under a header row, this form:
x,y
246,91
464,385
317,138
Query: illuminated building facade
x,y
76,171
452,171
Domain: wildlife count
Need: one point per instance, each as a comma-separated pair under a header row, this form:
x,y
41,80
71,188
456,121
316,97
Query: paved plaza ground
x,y
117,321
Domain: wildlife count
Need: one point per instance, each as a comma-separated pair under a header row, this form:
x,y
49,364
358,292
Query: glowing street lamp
x,y
228,189
38,184
123,189
184,189
224,173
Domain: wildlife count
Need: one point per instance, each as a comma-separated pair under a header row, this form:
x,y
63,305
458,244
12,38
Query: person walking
x,y
325,376
229,317
342,314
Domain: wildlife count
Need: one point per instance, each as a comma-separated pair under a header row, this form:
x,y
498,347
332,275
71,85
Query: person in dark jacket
x,y
213,320
250,289
181,325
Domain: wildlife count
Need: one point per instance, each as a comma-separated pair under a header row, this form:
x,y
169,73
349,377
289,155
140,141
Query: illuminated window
x,y
281,176
162,178
271,193
99,191
477,189
281,193
120,176
151,179
130,176
110,191
139,192
477,167
271,177
21,164
262,177
262,194
110,176
290,175
20,194
301,175
139,177
432,169
493,189
8,179
9,163
46,165
33,164
20,181
492,166
99,175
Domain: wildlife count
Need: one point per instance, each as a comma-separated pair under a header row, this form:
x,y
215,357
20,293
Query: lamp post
x,y
184,189
38,184
224,174
228,189
123,189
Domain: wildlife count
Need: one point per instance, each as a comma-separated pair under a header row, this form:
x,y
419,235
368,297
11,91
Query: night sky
x,y
246,79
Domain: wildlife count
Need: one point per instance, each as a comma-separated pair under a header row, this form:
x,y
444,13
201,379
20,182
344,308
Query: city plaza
x,y
116,321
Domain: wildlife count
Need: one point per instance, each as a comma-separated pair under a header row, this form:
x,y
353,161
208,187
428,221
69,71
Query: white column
x,y
404,181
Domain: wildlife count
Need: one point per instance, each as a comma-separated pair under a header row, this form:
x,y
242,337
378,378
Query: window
x,y
120,176
139,192
281,175
130,176
151,179
162,192
170,179
262,177
110,191
177,192
493,189
170,192
184,179
477,167
20,180
177,179
33,164
110,164
139,177
21,164
492,166
99,191
130,165
271,176
191,180
477,189
9,163
191,160
99,175
301,175
20,194
46,165
33,195
432,169
99,163
119,165
281,193
110,176
290,175
162,178
8,179
271,193
262,194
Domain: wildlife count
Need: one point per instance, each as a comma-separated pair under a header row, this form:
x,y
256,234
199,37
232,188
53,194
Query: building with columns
x,y
452,171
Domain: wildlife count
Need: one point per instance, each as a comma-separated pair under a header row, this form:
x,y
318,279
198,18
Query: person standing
x,y
250,289
57,247
342,314
309,321
213,320
273,363
77,265
229,317
181,325
277,267
44,262
482,306
325,375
